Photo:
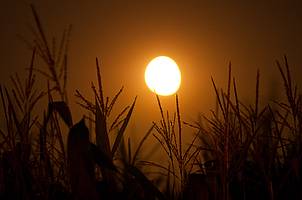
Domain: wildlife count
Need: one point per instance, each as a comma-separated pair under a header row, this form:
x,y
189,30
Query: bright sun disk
x,y
163,76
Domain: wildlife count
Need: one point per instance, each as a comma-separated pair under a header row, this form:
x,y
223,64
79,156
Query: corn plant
x,y
169,135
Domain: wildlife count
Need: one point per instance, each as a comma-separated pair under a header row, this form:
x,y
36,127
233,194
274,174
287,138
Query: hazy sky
x,y
201,36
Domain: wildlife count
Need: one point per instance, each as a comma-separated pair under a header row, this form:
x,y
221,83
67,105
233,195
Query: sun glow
x,y
163,76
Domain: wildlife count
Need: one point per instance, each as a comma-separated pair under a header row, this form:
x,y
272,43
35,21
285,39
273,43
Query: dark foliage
x,y
239,152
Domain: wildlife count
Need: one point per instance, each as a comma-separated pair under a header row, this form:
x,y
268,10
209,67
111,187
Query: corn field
x,y
239,151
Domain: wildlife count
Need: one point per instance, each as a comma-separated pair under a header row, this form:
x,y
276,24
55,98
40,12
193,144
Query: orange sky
x,y
201,36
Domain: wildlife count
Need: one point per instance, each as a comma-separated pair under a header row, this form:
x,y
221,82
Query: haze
x,y
201,36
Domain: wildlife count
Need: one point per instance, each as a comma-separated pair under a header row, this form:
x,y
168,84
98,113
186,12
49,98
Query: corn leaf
x,y
123,128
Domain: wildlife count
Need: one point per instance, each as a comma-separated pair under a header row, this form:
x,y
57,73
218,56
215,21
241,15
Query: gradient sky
x,y
201,36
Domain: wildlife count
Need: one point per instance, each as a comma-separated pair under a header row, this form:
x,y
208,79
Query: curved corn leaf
x,y
123,128
81,163
63,110
101,158
148,186
141,144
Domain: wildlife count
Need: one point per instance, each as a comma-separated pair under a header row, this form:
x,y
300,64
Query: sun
x,y
163,76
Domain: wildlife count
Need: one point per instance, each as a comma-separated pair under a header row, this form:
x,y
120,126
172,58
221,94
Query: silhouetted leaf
x,y
148,186
123,128
102,139
101,158
141,144
81,163
63,110
113,101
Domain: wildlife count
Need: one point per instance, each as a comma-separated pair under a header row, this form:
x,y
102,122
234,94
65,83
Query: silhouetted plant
x,y
169,135
240,151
